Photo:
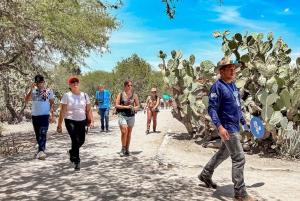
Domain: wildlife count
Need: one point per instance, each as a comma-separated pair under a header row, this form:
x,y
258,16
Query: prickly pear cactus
x,y
190,88
269,86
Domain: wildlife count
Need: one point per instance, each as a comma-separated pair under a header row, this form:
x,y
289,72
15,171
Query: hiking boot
x,y
208,182
243,198
77,166
147,132
127,153
41,155
122,152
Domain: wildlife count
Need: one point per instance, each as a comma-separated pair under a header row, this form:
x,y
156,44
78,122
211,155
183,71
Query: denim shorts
x,y
129,121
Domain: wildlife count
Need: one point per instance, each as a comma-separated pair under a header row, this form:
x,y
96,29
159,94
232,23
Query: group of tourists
x,y
75,109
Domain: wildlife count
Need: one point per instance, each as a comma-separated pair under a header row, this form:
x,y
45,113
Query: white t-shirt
x,y
76,105
40,101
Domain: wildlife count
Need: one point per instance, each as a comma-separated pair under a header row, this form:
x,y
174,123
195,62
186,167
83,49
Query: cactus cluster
x,y
268,84
190,88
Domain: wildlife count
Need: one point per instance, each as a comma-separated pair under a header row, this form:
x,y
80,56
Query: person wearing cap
x,y
151,106
225,111
74,108
42,112
103,98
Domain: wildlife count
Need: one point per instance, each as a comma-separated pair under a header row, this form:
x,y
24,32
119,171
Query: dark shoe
x,y
107,130
71,157
243,198
77,166
154,131
147,132
102,130
127,153
122,152
208,182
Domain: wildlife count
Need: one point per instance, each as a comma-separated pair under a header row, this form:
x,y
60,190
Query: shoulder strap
x,y
121,98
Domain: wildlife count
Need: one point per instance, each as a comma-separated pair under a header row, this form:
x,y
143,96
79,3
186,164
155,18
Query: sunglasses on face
x,y
73,82
129,85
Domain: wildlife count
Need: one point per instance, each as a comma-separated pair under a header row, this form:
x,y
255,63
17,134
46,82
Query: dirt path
x,y
162,167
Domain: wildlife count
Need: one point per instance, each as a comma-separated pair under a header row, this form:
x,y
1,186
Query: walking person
x,y
162,103
42,112
75,107
103,97
127,103
151,106
225,111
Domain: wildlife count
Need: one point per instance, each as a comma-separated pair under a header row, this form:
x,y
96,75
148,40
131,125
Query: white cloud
x,y
286,10
230,15
295,54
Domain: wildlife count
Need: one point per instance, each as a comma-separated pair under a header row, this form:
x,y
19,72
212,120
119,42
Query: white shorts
x,y
123,120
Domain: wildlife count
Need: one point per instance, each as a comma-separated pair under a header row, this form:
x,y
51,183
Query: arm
x,y
62,112
146,105
118,105
213,107
157,103
51,109
88,108
136,102
29,95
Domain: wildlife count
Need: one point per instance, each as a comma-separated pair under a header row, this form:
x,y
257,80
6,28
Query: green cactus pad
x,y
216,34
240,83
285,98
178,54
272,98
192,59
232,44
270,36
238,37
298,62
227,32
266,113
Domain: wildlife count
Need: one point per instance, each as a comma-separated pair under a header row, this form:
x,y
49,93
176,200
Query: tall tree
x,y
34,35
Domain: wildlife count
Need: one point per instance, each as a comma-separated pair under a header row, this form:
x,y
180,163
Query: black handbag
x,y
87,116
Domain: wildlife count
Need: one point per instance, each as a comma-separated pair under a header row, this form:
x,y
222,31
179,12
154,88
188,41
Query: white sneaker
x,y
41,155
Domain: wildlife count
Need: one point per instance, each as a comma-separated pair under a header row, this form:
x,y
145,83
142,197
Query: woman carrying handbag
x,y
75,109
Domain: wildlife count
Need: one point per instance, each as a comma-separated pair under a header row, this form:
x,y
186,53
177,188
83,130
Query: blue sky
x,y
147,29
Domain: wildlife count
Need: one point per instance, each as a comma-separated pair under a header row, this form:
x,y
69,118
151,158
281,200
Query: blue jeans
x,y
40,126
234,149
104,114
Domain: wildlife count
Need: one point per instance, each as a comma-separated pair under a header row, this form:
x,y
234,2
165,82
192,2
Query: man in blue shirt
x,y
42,111
225,111
103,98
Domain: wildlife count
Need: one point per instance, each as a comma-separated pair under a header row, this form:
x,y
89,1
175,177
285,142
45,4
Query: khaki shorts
x,y
123,120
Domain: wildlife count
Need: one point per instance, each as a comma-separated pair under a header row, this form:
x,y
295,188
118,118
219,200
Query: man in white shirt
x,y
42,111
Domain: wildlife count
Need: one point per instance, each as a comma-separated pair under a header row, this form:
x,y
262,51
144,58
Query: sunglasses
x,y
129,85
153,92
73,82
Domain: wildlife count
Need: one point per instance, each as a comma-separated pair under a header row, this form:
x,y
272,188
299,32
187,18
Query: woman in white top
x,y
73,107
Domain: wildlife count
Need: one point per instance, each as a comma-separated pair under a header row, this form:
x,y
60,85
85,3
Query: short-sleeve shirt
x,y
103,96
76,105
40,101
